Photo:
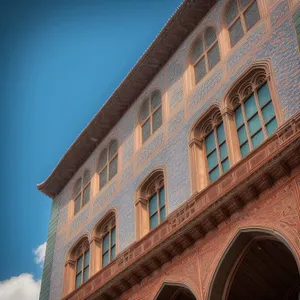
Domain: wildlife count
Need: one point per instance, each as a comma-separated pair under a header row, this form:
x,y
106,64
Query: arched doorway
x,y
174,292
257,266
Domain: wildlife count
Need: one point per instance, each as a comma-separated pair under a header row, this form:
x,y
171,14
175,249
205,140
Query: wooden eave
x,y
203,212
179,26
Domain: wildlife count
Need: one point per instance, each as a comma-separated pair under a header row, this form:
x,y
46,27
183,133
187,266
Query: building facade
x,y
186,184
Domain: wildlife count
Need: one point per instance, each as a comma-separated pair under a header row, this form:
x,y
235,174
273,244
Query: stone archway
x,y
174,292
257,266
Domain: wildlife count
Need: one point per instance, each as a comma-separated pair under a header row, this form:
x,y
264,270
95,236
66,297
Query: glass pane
x,y
221,133
245,2
268,112
264,95
105,259
77,187
77,204
105,243
210,142
213,56
153,205
146,131
254,124
145,110
113,236
231,11
113,253
197,51
213,175
245,149
86,194
78,280
155,99
87,258
86,177
250,106
162,197
210,36
252,15
85,274
103,159
113,148
79,265
212,160
242,134
157,120
225,165
154,221
257,139
271,127
236,32
223,151
162,213
113,167
200,69
239,119
103,177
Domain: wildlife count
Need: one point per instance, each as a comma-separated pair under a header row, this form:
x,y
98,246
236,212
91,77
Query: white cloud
x,y
21,287
39,253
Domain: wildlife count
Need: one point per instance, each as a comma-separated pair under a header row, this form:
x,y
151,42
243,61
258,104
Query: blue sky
x,y
60,61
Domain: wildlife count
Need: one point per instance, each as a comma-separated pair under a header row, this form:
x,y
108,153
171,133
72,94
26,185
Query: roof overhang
x,y
179,26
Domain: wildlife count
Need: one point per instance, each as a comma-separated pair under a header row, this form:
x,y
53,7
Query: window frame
x,y
83,268
110,246
158,207
150,115
205,53
83,187
241,16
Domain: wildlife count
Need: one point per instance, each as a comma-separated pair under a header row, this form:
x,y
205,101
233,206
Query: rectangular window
x,y
157,208
82,268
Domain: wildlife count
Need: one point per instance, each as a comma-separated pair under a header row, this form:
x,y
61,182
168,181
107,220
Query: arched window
x,y
108,163
240,16
205,53
151,115
77,267
210,148
105,241
255,117
151,203
82,191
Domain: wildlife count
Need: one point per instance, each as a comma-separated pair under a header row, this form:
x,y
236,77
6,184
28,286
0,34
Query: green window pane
x,y
231,11
103,159
77,204
257,139
242,134
86,194
162,199
113,167
155,100
113,148
153,205
79,265
251,15
78,280
197,51
254,124
113,236
103,177
212,160
162,213
77,187
221,133
271,127
105,259
239,119
210,36
223,151
105,243
250,106
263,95
145,110
213,56
245,149
85,274
113,253
86,177
210,142
213,175
236,32
268,112
200,69
87,258
154,221
225,165
157,119
146,131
